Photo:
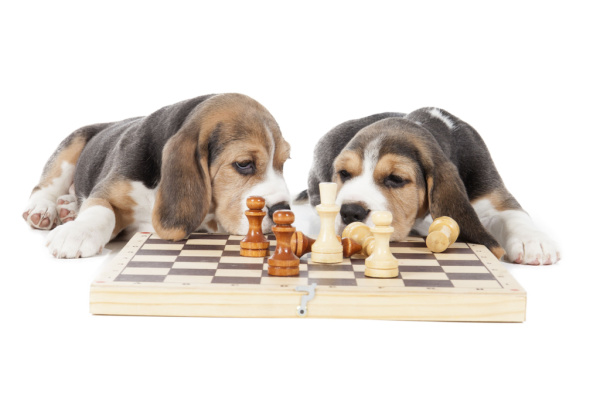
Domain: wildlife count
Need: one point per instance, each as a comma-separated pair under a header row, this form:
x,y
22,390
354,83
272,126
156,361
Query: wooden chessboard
x,y
204,275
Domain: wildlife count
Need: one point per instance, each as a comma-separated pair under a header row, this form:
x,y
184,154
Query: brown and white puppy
x,y
188,166
422,165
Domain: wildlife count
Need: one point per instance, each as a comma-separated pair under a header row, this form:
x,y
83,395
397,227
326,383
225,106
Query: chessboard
x,y
204,275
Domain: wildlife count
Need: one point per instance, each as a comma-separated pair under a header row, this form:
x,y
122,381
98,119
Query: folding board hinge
x,y
302,309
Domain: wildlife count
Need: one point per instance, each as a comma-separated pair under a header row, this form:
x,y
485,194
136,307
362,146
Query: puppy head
x,y
229,148
247,154
379,170
398,166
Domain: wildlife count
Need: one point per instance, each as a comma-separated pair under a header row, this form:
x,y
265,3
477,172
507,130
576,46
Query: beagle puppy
x,y
424,165
188,166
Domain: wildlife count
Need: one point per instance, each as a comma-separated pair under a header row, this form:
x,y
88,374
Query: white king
x,y
327,248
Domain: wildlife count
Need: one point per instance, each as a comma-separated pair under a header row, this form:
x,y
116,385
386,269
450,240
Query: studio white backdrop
x,y
524,74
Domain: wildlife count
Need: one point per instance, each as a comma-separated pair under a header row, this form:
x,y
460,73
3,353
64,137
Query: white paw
x,y
66,206
76,239
41,213
531,247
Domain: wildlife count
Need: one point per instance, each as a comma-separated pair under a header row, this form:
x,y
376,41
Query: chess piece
x,y
350,247
359,238
301,244
283,262
327,249
443,232
255,244
381,263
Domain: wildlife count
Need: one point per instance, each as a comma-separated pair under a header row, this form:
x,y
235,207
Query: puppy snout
x,y
353,212
279,206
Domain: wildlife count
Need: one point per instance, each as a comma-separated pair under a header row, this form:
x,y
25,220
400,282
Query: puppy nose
x,y
353,212
279,206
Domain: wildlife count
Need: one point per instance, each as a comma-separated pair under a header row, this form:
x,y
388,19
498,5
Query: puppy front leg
x,y
87,235
514,229
41,210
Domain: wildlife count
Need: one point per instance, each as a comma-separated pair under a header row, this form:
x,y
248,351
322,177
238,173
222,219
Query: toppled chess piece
x,y
255,244
381,263
443,232
327,249
302,244
360,239
283,262
350,247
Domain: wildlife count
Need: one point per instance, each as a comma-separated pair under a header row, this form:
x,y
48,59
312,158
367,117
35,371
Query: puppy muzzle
x,y
353,212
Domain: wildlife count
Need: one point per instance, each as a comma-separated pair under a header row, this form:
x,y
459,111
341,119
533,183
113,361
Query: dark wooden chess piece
x,y
255,244
302,244
350,247
283,262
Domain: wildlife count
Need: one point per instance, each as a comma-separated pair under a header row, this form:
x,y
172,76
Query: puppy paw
x,y
67,208
533,248
41,214
76,239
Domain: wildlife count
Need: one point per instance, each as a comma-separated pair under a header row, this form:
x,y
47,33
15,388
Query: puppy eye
x,y
344,175
394,181
244,167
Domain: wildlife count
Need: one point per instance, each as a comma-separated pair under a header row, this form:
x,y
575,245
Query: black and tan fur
x,y
183,166
426,163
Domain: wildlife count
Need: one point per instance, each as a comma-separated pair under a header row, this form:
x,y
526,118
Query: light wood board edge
x,y
120,298
404,306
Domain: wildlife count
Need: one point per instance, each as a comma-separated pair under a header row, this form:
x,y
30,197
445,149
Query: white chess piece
x,y
381,263
327,249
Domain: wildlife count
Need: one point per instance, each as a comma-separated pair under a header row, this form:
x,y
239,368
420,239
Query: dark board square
x,y
198,235
252,267
414,256
192,272
149,264
231,254
140,278
427,283
420,268
198,259
160,241
471,277
144,252
461,263
202,247
361,275
408,244
467,250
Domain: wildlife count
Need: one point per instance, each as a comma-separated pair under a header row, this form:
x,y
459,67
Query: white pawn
x,y
327,249
381,263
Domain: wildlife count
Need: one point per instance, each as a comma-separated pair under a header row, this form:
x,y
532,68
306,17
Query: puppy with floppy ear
x,y
184,192
426,163
185,167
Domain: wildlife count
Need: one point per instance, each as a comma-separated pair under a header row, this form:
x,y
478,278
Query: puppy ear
x,y
447,196
184,192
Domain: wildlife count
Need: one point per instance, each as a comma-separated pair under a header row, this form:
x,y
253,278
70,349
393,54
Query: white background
x,y
524,74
